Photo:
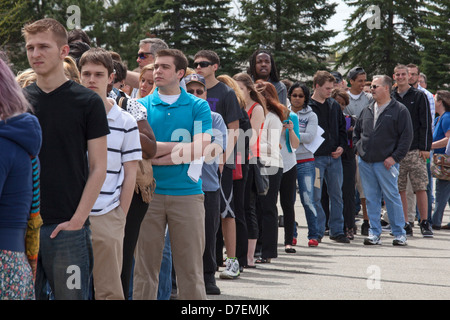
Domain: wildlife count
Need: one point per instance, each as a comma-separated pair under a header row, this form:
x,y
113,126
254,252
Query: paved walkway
x,y
349,271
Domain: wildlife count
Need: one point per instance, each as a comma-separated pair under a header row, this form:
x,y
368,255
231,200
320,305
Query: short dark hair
x,y
120,68
78,35
321,77
77,49
98,56
302,86
412,65
179,59
208,54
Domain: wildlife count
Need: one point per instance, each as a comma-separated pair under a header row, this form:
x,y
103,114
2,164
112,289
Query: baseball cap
x,y
354,72
337,76
193,77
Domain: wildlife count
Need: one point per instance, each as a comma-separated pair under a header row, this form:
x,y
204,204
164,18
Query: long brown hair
x,y
272,102
254,95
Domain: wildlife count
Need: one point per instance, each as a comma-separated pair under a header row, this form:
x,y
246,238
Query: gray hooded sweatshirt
x,y
308,124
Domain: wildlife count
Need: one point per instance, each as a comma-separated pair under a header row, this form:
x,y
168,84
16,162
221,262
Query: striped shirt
x,y
123,145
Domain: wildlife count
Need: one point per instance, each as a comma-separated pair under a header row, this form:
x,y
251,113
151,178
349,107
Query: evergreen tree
x,y
15,14
126,23
193,25
434,36
292,30
378,48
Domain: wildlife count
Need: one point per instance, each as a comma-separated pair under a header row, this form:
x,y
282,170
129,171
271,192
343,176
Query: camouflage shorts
x,y
414,167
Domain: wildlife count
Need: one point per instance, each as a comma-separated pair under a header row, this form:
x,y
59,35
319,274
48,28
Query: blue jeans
x,y
441,200
64,264
379,182
165,274
305,178
331,170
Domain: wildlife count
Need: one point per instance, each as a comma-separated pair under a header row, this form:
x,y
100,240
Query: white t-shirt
x,y
168,99
270,141
123,145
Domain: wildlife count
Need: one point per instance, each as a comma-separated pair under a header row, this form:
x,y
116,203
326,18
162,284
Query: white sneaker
x,y
231,269
372,240
400,241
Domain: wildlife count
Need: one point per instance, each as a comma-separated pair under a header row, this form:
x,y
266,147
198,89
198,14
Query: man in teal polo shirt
x,y
182,125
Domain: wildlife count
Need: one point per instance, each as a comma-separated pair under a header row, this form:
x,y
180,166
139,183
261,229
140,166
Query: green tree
x,y
378,48
434,36
15,14
126,23
292,30
193,25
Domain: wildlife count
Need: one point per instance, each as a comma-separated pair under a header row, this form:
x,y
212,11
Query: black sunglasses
x,y
198,91
375,86
202,64
143,55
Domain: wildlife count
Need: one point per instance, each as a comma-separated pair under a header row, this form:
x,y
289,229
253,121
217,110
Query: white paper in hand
x,y
195,169
318,140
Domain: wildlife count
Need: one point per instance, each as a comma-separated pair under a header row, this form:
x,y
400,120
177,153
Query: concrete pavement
x,y
348,271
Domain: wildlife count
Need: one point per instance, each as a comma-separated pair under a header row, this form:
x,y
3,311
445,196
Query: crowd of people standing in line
x,y
139,180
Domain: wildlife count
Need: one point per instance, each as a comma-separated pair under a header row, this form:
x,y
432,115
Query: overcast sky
x,y
337,22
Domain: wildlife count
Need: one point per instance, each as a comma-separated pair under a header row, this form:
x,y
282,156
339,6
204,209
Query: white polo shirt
x,y
123,145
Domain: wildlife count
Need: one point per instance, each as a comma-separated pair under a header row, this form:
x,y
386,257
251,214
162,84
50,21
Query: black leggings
x,y
239,211
135,215
287,201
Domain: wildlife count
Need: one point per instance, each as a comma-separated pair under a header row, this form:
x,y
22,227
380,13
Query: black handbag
x,y
261,179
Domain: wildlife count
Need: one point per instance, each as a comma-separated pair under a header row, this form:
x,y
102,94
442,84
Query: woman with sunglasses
x,y
299,97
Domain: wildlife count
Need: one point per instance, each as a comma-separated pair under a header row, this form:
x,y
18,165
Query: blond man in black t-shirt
x,y
73,163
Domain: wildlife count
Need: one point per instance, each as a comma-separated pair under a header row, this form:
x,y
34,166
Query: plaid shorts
x,y
416,168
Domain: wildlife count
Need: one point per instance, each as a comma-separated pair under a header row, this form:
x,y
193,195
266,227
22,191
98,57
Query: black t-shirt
x,y
223,100
69,116
322,110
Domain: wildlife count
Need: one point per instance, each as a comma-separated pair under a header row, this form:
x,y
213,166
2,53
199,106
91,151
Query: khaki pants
x,y
107,244
185,216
